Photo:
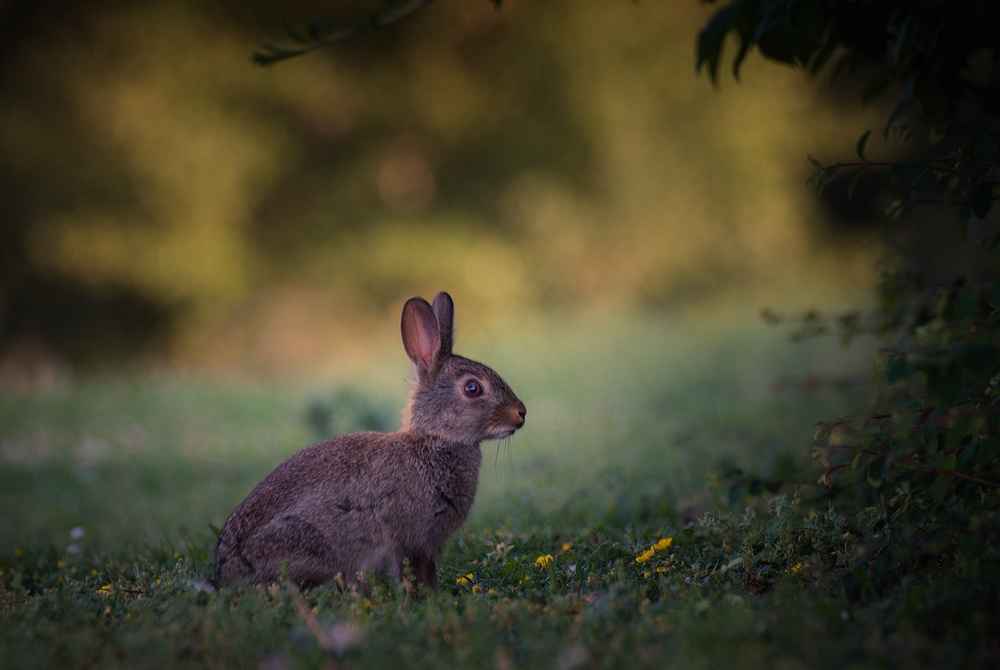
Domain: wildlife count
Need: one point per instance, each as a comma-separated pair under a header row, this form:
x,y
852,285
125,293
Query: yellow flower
x,y
544,561
567,546
464,580
105,590
795,568
659,546
646,555
476,588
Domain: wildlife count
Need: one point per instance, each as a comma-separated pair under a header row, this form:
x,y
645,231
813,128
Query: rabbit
x,y
371,501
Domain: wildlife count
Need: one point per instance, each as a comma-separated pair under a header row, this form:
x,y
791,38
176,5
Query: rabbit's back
x,y
327,509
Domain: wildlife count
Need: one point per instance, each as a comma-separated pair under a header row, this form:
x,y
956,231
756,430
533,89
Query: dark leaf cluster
x,y
965,178
932,55
912,485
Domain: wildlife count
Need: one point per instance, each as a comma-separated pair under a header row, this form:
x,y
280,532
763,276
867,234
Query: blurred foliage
x,y
158,189
319,33
934,57
916,480
348,410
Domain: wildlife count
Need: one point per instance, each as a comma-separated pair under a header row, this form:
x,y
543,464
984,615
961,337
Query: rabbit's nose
x,y
520,410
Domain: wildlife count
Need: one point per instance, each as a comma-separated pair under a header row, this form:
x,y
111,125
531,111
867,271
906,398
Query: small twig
x,y
930,167
273,53
952,473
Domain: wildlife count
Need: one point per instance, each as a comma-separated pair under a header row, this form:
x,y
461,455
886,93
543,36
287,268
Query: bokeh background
x,y
162,200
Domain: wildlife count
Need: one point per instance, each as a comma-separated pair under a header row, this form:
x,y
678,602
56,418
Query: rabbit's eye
x,y
473,388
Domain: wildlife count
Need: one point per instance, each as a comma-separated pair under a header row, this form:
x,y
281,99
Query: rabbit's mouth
x,y
501,432
509,423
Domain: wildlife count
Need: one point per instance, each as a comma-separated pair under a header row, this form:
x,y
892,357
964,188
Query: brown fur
x,y
370,501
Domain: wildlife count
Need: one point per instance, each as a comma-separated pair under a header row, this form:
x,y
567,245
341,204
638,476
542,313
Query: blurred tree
x,y
924,462
156,189
939,60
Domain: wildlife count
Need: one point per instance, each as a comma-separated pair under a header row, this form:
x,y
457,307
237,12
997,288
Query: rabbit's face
x,y
468,403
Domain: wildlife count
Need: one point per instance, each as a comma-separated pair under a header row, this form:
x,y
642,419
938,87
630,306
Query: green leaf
x,y
930,438
944,382
940,485
894,209
897,369
318,30
917,174
296,34
853,184
272,53
860,148
876,472
938,132
712,39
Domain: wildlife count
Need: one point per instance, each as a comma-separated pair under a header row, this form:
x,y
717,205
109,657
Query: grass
x,y
112,488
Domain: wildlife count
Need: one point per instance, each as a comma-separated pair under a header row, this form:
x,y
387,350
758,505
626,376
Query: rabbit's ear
x,y
419,328
444,310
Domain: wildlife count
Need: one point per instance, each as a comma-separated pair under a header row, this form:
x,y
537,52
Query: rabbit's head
x,y
451,396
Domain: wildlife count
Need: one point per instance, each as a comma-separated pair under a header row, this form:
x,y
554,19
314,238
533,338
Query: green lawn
x,y
110,490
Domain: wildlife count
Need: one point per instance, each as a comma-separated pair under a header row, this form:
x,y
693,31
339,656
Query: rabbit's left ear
x,y
444,310
419,328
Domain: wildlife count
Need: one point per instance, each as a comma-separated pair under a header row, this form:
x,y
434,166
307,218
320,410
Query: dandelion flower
x,y
544,561
649,553
794,569
646,555
464,580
